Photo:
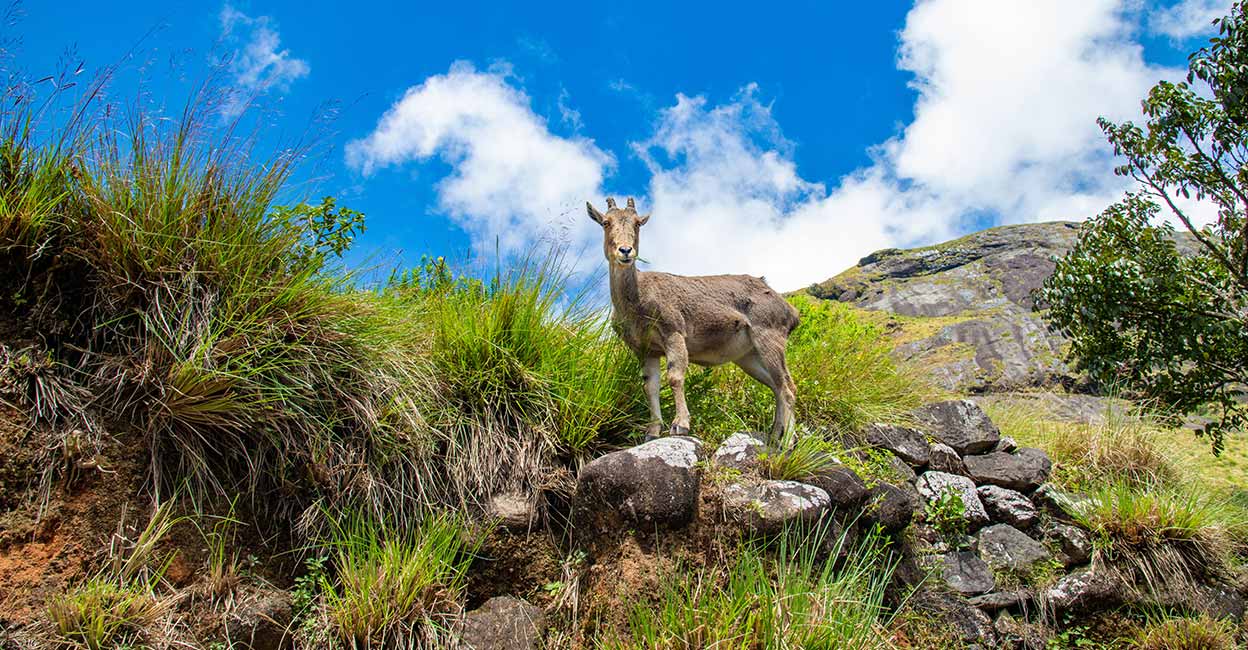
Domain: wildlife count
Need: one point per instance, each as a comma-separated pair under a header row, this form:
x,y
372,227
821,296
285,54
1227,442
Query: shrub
x,y
947,514
808,455
789,600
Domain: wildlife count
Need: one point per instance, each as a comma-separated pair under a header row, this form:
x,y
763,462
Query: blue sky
x,y
785,139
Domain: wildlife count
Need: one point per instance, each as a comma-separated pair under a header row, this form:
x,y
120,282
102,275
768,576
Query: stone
x,y
966,573
1071,544
960,424
1004,546
889,506
260,620
1006,445
1084,590
998,600
971,627
1065,504
1015,634
901,470
770,506
843,485
1008,506
512,511
504,623
944,459
932,485
910,445
1023,470
739,450
653,483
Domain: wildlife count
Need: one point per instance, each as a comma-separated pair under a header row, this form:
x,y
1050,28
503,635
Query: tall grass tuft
x,y
769,598
1121,446
396,587
1164,538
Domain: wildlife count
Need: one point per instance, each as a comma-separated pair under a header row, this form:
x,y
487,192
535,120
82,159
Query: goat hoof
x,y
678,430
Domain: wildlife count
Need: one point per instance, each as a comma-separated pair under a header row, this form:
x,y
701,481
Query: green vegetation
x,y
841,364
947,514
1140,314
808,455
1179,633
395,588
789,600
102,614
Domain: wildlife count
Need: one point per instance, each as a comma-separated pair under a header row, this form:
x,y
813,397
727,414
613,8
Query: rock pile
x,y
983,536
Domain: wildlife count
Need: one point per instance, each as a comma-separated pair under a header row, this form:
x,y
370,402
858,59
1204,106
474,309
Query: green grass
x,y
768,598
102,614
845,376
393,587
1181,633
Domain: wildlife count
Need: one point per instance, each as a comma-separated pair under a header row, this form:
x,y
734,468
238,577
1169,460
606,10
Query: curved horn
x,y
631,206
610,203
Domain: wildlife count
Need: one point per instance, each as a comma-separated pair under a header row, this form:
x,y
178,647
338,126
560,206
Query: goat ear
x,y
593,213
641,221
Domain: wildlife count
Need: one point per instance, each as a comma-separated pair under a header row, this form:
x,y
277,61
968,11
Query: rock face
x,y
656,482
961,425
514,512
504,623
1023,470
945,459
980,288
769,506
1072,545
970,625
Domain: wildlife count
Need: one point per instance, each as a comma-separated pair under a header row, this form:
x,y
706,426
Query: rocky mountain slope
x,y
964,308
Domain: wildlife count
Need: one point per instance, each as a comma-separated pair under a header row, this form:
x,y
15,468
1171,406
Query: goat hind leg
x,y
754,366
771,350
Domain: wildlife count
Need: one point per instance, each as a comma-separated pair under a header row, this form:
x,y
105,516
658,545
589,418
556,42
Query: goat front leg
x,y
677,363
651,375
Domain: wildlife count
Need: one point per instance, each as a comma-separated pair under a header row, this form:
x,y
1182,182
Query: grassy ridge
x,y
156,291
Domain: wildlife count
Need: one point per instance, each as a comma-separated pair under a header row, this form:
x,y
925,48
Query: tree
x,y
1157,314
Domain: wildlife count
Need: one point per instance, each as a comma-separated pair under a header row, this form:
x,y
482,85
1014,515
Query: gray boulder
x,y
944,459
1007,445
1004,546
504,623
966,573
910,445
769,506
1008,506
952,612
1016,634
932,485
843,485
1023,470
1085,590
889,506
1071,544
961,424
652,483
739,450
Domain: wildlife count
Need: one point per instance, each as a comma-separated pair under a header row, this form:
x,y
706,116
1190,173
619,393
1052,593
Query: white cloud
x,y
257,62
1188,18
513,179
1004,130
